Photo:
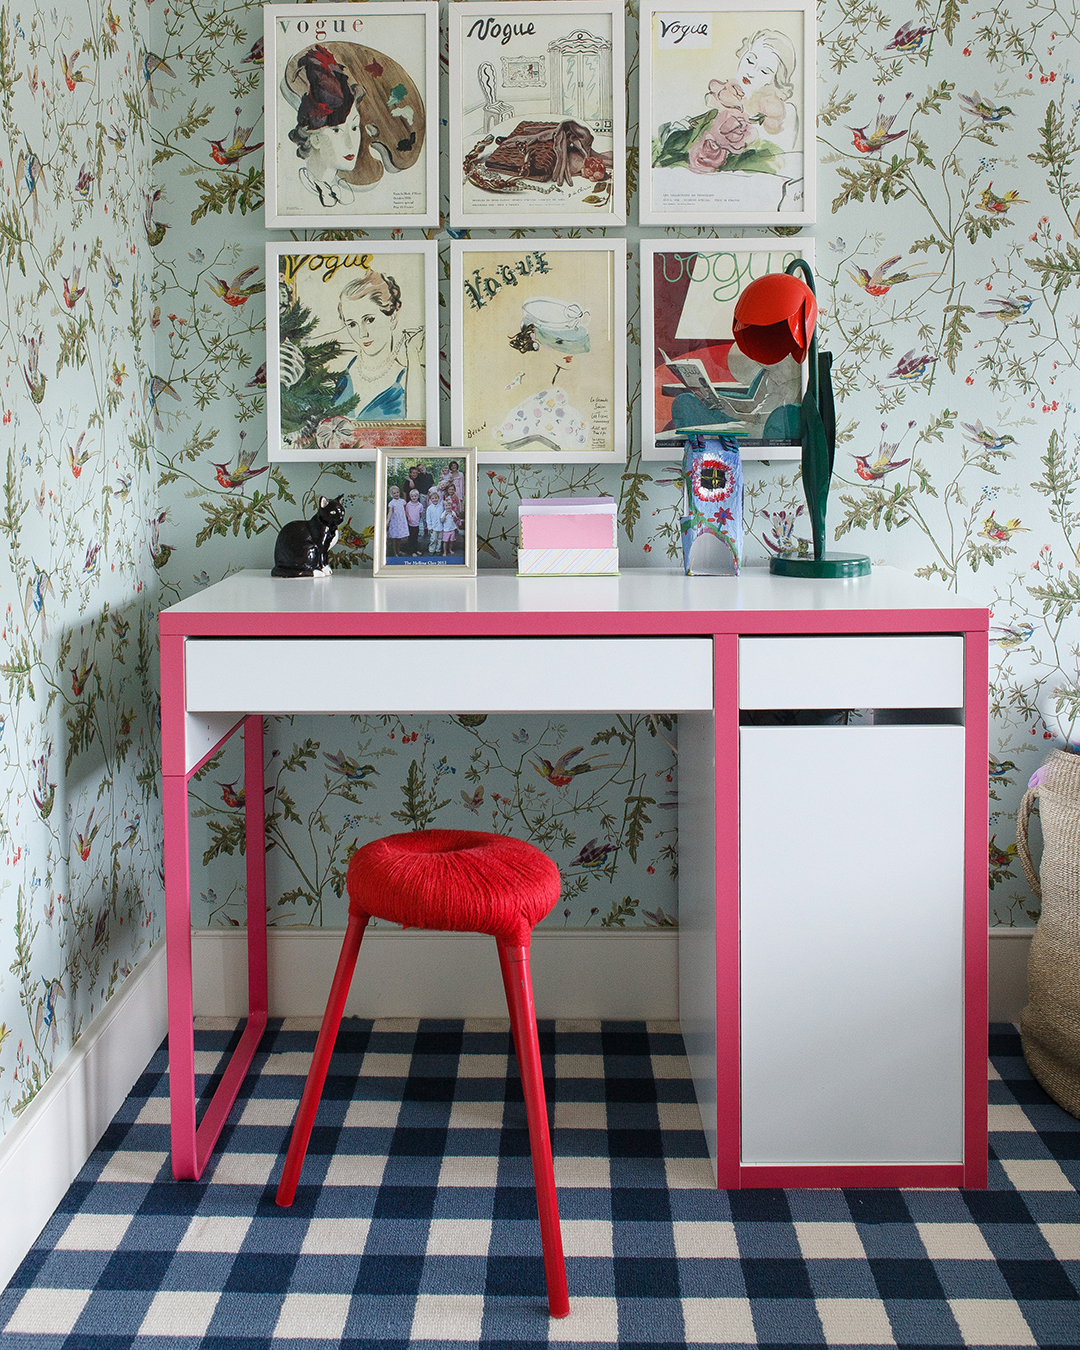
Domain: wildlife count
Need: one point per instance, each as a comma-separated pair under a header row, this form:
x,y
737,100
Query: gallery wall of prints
x,y
950,328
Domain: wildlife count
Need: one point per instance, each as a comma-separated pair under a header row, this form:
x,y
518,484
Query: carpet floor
x,y
415,1222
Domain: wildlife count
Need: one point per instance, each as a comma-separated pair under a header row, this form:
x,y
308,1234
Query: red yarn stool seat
x,y
462,881
467,882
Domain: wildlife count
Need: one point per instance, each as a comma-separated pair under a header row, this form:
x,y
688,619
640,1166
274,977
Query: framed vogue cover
x,y
537,113
538,349
693,377
351,359
425,512
727,113
351,114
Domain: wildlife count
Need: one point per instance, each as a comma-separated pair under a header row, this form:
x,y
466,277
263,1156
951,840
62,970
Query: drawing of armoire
x,y
580,85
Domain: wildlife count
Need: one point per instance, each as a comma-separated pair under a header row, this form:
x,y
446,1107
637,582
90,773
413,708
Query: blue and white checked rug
x,y
415,1223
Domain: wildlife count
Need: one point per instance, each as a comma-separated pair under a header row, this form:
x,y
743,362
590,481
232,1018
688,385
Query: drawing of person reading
x,y
750,120
386,371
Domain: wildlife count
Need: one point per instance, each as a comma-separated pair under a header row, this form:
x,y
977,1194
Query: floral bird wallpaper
x,y
135,469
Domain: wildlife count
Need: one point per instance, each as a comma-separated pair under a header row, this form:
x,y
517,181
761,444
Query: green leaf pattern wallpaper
x,y
133,303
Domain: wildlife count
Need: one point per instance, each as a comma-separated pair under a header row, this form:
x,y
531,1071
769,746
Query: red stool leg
x,y
519,1000
320,1061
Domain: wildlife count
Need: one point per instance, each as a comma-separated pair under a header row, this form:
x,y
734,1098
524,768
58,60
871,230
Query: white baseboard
x,y
628,975
625,976
1009,949
42,1153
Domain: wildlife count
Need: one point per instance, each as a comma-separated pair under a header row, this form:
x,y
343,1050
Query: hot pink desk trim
x,y
939,613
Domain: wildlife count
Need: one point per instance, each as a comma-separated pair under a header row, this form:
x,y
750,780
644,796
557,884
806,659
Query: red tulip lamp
x,y
775,316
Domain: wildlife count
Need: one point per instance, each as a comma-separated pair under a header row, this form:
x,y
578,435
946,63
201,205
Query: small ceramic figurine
x,y
303,546
712,529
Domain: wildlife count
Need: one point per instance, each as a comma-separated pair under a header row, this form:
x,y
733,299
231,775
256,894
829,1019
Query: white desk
x,y
833,888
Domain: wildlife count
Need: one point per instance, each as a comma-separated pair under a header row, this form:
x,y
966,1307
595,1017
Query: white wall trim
x,y
42,1153
629,975
1009,949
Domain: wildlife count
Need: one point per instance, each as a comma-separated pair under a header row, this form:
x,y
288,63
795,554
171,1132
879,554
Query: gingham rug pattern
x,y
415,1224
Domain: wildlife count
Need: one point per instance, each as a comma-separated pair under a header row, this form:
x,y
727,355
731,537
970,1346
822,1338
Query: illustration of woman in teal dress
x,y
386,372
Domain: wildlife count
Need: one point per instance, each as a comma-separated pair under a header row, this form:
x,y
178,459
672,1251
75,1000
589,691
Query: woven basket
x,y
1050,1024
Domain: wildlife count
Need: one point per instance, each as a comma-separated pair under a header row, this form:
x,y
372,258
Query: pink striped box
x,y
568,537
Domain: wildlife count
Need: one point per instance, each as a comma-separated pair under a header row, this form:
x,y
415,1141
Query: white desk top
x,y
753,601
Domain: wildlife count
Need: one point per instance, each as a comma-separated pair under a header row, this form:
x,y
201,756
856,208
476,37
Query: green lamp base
x,y
830,565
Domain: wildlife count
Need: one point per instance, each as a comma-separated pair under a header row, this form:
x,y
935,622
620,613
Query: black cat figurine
x,y
303,546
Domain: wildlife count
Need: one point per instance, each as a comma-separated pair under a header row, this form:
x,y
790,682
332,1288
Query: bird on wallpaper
x,y
562,773
984,436
1001,531
111,272
37,588
72,289
883,464
28,170
998,206
475,802
72,77
521,737
909,39
35,381
349,768
110,18
101,928
911,367
1000,857
117,138
122,490
125,722
155,229
592,855
234,292
90,561
1015,307
118,374
233,800
151,64
258,380
876,282
155,387
1014,636
237,148
78,457
132,833
44,794
982,108
869,142
239,475
81,673
83,842
255,56
46,1011
83,184
1000,767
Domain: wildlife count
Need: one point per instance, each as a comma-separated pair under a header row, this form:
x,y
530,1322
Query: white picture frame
x,y
381,386
727,113
339,169
555,394
449,490
559,64
688,292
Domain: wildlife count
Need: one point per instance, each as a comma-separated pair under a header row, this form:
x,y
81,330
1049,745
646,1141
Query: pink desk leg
x,y
190,1147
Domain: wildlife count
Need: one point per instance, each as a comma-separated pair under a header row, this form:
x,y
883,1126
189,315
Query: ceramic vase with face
x,y
712,528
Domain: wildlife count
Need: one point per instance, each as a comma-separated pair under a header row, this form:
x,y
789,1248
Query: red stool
x,y
471,883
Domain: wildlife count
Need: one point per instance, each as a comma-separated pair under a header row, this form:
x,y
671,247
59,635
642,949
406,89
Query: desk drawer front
x,y
851,672
448,675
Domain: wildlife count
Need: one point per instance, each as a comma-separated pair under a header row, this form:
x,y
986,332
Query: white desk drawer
x,y
851,672
282,675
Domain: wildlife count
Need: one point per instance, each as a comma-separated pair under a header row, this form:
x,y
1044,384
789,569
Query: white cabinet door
x,y
852,943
